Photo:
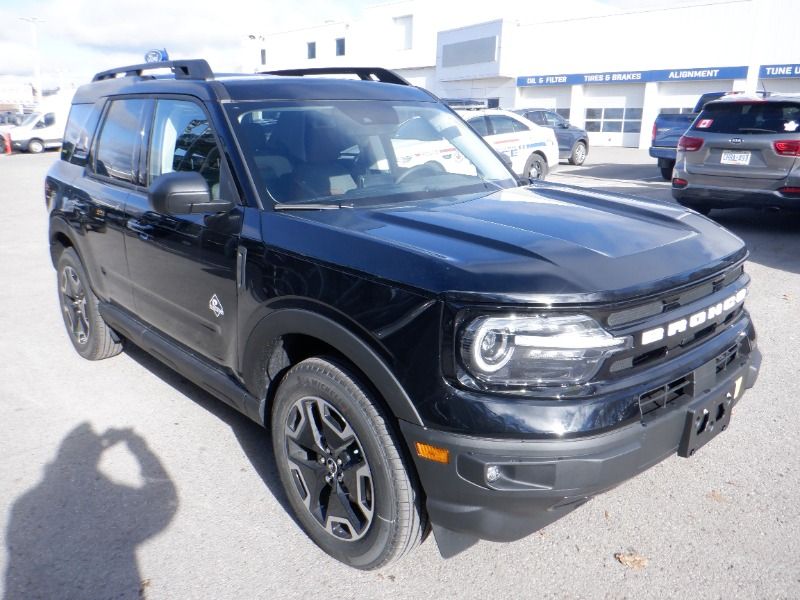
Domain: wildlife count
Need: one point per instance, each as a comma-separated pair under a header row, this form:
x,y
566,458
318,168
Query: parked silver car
x,y
741,152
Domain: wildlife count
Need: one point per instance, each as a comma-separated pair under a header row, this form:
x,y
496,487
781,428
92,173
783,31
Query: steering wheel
x,y
428,168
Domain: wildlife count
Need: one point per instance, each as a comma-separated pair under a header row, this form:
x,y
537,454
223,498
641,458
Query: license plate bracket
x,y
704,422
734,157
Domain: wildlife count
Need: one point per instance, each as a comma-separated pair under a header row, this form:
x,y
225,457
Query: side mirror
x,y
506,160
184,193
563,124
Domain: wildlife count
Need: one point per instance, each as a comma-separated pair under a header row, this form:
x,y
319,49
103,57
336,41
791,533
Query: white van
x,y
38,131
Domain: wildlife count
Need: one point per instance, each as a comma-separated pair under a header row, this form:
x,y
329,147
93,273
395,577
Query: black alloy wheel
x,y
88,332
343,473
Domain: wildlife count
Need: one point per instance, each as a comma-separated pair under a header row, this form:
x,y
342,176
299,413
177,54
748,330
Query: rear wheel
x,y
536,167
342,467
578,155
35,146
87,330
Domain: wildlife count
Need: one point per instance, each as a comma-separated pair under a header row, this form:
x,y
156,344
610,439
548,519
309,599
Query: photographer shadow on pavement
x,y
254,439
75,534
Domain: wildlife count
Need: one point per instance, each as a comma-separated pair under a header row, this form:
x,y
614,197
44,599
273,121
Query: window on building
x,y
263,56
118,145
339,46
614,120
311,50
564,112
404,31
493,103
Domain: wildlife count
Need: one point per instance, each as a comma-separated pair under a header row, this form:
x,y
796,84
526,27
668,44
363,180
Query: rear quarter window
x,y
749,118
78,134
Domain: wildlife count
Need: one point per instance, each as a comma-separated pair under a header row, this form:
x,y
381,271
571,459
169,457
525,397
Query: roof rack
x,y
183,69
364,73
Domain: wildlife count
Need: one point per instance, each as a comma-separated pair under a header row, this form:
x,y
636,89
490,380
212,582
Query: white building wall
x,y
563,38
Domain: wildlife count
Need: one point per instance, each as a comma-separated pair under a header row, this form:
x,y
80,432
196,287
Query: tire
x,y
35,146
320,400
88,332
536,167
666,172
578,154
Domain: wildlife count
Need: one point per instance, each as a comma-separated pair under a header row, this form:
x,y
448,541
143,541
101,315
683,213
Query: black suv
x,y
429,343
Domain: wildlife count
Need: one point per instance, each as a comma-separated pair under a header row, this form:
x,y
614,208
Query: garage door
x,y
613,114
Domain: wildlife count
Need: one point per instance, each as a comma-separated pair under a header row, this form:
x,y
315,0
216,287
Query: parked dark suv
x,y
428,345
573,142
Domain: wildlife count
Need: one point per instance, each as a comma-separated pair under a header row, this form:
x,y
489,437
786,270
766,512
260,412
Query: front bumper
x,y
542,480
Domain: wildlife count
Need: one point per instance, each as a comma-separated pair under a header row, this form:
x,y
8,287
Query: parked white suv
x,y
533,150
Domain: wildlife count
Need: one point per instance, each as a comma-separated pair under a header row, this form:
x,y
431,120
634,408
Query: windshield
x,y
749,117
30,119
355,152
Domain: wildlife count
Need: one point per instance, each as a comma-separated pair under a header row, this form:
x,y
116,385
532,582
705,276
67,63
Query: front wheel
x,y
342,468
536,167
578,155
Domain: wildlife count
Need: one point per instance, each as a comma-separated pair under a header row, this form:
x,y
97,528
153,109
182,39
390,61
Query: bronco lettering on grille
x,y
657,334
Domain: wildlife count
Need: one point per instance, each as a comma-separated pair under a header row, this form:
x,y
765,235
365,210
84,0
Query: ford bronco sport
x,y
431,345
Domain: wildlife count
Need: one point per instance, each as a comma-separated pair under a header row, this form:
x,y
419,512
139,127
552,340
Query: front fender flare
x,y
296,321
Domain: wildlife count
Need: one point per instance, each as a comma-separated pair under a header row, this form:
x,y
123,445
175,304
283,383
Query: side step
x,y
196,369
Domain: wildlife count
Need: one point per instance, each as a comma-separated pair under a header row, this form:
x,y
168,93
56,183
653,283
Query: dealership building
x,y
610,67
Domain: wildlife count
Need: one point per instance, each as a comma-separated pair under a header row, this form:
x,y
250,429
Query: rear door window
x,y
749,118
118,146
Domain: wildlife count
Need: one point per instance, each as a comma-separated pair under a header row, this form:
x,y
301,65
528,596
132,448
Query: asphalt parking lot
x,y
122,480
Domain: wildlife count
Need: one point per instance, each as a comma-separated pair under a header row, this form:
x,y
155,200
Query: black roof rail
x,y
365,73
183,69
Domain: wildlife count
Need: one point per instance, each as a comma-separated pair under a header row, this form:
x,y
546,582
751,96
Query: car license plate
x,y
707,420
729,157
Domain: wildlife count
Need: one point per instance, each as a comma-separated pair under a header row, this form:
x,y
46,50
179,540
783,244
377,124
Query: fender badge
x,y
216,306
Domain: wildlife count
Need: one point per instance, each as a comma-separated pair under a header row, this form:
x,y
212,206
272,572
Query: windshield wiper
x,y
306,206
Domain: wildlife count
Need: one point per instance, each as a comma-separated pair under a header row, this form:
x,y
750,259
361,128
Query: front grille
x,y
669,302
727,357
663,395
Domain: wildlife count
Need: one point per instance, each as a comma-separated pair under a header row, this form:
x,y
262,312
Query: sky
x,y
78,38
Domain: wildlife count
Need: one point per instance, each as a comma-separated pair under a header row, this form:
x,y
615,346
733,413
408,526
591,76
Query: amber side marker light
x,y
434,453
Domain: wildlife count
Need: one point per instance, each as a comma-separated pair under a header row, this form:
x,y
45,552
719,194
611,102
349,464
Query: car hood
x,y
520,244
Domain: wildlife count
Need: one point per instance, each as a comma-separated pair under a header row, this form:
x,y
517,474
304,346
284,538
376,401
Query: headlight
x,y
534,351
